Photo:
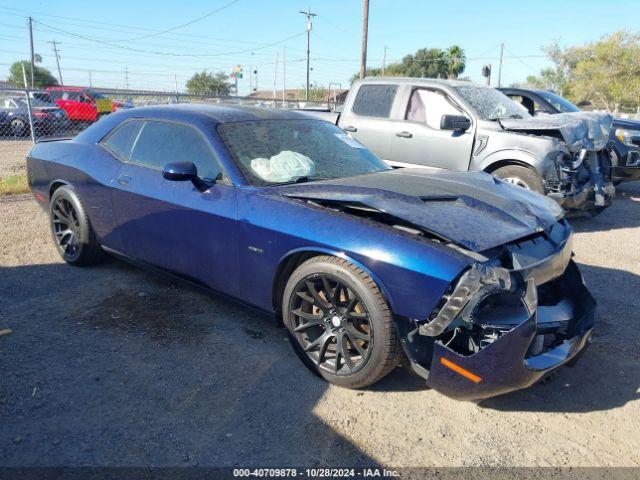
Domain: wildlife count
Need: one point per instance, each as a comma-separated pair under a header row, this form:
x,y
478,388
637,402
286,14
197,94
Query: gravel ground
x,y
12,156
112,365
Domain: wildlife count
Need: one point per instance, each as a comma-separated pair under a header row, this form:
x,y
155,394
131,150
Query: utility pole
x,y
126,78
384,60
33,55
365,29
284,73
55,52
500,65
90,82
309,15
275,78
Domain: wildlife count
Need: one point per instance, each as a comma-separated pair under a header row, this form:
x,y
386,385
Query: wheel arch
x,y
294,258
503,158
506,162
56,184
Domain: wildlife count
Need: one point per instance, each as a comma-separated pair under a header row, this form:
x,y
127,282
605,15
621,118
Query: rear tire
x,y
339,323
522,176
71,229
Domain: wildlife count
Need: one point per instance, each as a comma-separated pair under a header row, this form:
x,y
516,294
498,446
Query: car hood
x,y
579,130
624,123
473,210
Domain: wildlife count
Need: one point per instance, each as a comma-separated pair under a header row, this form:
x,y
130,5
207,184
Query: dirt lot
x,y
12,155
115,366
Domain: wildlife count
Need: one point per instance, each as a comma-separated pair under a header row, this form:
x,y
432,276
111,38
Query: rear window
x,y
374,100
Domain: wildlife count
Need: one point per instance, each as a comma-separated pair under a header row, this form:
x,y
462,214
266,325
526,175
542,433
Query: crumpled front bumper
x,y
587,197
519,357
504,366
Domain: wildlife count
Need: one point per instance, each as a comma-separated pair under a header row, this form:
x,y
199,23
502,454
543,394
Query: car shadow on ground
x,y
115,366
608,374
623,213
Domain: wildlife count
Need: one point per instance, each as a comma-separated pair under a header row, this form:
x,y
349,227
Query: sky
x,y
126,43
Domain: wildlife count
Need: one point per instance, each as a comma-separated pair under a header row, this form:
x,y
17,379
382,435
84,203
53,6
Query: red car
x,y
82,104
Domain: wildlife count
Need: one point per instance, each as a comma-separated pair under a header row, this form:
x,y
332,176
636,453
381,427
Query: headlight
x,y
628,137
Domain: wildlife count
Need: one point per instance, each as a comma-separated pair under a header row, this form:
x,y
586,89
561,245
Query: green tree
x,y
426,62
605,73
205,83
41,76
456,61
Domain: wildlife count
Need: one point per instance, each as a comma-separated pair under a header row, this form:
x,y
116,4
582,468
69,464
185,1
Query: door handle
x,y
350,128
124,180
404,134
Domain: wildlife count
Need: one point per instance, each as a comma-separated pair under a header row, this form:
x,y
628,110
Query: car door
x,y
173,225
367,120
418,138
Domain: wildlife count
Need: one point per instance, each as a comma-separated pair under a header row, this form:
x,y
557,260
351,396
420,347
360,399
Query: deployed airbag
x,y
283,167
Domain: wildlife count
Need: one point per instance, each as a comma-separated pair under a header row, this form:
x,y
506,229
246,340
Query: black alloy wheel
x,y
66,228
331,324
71,229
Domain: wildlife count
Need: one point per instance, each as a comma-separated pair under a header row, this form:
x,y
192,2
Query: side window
x,y
122,139
429,106
159,143
55,94
374,100
525,102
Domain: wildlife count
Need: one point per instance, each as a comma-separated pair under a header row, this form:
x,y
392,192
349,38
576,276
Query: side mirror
x,y
457,123
180,171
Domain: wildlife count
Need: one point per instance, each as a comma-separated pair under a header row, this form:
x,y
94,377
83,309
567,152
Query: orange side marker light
x,y
459,370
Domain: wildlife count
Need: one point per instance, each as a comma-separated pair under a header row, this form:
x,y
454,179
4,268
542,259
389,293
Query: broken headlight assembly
x,y
630,138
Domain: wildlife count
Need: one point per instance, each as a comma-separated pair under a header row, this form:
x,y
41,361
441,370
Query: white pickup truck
x,y
460,125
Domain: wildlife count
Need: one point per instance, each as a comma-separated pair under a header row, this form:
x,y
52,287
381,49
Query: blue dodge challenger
x,y
468,277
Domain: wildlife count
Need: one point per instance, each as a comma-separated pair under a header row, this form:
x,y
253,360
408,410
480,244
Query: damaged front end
x,y
506,322
582,183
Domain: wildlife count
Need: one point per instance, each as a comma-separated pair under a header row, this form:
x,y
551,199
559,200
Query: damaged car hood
x,y
473,210
579,130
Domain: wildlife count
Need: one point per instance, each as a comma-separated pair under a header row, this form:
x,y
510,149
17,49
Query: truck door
x,y
367,119
419,140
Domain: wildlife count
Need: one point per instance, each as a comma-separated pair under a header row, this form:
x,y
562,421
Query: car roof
x,y
217,113
419,81
71,89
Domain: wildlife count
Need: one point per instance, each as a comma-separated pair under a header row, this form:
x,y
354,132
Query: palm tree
x,y
456,61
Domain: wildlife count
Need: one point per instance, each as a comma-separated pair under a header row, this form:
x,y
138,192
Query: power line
x,y
191,22
168,54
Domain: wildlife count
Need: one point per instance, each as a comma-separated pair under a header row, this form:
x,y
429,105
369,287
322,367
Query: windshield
x,y
561,104
271,152
490,104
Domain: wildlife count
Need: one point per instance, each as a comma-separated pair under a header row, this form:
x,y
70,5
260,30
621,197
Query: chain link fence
x,y
27,116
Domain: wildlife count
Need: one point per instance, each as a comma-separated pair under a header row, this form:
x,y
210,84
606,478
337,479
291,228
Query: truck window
x,y
428,106
374,100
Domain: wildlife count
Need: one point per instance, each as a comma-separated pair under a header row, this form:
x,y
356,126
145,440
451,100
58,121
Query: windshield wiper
x,y
303,179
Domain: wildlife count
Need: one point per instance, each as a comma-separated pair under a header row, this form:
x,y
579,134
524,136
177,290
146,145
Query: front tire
x,y
339,323
521,176
72,233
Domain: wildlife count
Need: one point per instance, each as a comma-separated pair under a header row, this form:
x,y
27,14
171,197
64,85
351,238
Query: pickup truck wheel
x,y
521,176
339,323
72,233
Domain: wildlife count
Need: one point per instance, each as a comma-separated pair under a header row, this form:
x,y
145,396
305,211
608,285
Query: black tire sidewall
x,y
86,237
377,319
